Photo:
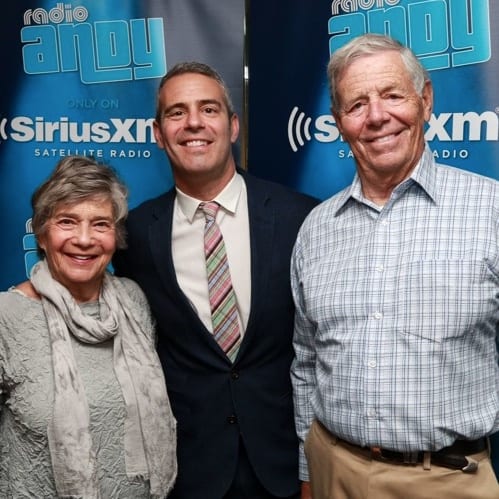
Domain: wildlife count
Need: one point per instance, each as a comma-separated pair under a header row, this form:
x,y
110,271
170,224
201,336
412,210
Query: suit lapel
x,y
262,232
160,239
160,231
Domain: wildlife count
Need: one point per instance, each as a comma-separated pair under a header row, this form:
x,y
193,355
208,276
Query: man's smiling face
x,y
195,129
381,115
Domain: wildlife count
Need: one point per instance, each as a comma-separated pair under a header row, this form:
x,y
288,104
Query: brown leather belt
x,y
454,457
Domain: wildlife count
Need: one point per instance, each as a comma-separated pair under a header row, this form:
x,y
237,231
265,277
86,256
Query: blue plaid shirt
x,y
397,313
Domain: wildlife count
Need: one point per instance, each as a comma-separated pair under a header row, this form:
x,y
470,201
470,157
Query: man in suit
x,y
236,435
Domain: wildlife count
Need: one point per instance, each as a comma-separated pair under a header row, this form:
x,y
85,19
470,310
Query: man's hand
x,y
306,491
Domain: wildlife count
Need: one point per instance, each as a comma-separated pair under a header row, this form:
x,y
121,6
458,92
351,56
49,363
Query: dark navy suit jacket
x,y
216,403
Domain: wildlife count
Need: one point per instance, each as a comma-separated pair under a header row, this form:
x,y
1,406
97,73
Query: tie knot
x,y
209,209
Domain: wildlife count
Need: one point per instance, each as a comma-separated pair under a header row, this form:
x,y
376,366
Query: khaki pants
x,y
339,470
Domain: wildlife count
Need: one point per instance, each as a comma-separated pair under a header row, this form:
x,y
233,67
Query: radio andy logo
x,y
62,39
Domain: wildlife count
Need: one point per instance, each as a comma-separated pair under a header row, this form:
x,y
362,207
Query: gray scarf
x,y
150,433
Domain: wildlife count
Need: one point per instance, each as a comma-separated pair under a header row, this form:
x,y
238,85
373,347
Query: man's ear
x,y
157,134
234,128
427,98
337,119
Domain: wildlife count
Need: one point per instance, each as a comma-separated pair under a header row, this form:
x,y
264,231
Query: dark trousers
x,y
246,484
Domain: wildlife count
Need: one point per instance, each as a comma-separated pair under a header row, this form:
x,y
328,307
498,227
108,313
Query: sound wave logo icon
x,y
298,128
3,126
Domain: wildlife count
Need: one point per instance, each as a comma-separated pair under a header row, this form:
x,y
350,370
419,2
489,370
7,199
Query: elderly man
x,y
396,286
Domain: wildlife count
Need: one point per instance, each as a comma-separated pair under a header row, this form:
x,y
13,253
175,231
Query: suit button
x,y
232,419
234,375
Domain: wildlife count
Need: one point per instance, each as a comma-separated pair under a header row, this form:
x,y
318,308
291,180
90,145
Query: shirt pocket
x,y
444,298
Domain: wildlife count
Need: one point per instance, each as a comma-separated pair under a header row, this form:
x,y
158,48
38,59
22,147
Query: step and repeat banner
x,y
293,138
80,77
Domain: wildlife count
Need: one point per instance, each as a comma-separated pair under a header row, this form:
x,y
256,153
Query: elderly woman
x,y
83,404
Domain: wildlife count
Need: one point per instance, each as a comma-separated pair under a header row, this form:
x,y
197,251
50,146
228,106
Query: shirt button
x,y
371,413
234,375
232,419
384,222
379,268
378,315
372,363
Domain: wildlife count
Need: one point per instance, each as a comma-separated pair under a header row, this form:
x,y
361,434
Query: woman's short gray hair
x,y
371,44
76,179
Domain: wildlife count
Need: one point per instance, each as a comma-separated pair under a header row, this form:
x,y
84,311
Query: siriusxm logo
x,y
442,33
60,40
299,129
115,130
445,127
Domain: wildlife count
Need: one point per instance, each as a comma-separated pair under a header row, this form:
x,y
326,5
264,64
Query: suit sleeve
x,y
303,366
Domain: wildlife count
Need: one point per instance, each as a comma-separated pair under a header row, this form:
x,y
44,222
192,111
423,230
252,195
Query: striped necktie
x,y
221,294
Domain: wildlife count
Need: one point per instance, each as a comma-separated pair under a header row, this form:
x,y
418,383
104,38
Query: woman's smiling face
x,y
79,241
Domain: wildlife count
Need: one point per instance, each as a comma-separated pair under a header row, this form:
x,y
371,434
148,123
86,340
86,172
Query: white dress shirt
x,y
188,248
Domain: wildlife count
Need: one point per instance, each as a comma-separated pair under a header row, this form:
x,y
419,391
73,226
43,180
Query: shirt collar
x,y
228,198
424,174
